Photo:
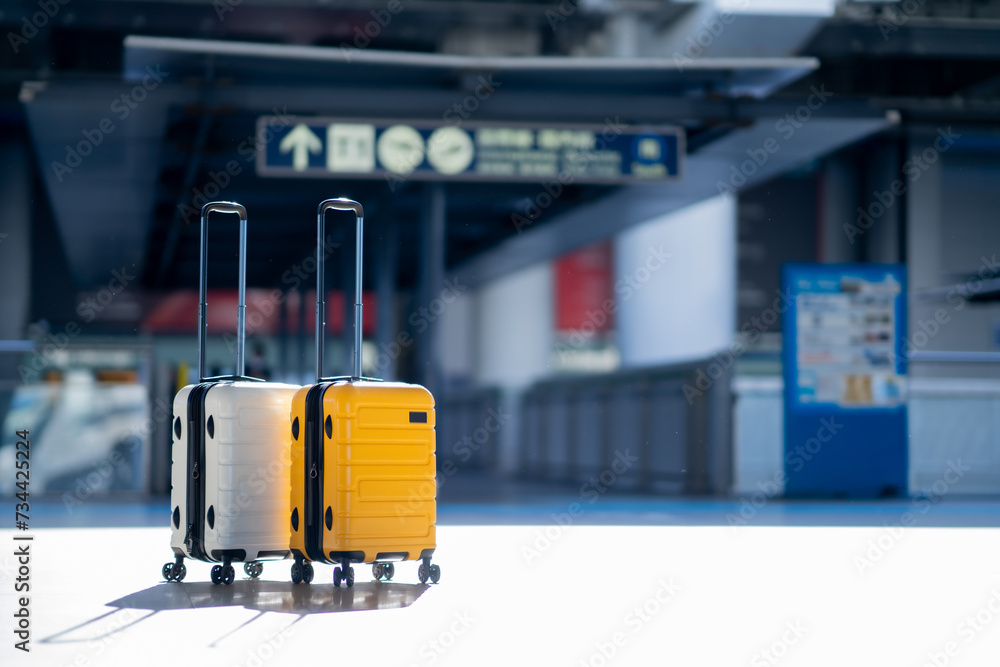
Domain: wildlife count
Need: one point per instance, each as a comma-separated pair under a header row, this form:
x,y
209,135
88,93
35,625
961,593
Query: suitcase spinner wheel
x,y
223,574
425,572
345,574
302,572
174,571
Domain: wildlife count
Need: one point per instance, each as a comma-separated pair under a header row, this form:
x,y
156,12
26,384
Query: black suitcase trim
x,y
313,450
353,556
194,539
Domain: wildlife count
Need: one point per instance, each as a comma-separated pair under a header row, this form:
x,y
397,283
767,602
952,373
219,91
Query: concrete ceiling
x,y
118,206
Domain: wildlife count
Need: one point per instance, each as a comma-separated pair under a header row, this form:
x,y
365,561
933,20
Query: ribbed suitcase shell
x,y
246,474
378,472
363,485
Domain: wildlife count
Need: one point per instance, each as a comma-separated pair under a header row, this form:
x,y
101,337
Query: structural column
x,y
924,234
882,204
515,337
15,241
675,285
432,251
15,262
385,289
838,212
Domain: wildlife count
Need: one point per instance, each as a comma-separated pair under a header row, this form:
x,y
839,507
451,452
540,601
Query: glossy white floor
x,y
513,595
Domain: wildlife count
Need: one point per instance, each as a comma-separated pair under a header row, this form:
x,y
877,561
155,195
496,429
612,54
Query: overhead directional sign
x,y
399,150
300,142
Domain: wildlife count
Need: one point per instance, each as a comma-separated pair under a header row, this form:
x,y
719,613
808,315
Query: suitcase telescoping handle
x,y
339,204
222,207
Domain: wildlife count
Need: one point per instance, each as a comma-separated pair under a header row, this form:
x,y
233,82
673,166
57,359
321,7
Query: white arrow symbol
x,y
302,141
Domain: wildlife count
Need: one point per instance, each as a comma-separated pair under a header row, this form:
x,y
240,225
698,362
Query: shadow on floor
x,y
279,596
261,596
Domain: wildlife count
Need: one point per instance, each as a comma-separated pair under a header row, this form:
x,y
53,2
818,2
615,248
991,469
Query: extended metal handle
x,y
222,207
339,204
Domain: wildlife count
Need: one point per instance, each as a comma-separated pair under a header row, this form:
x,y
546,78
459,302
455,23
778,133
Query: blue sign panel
x,y
399,150
845,380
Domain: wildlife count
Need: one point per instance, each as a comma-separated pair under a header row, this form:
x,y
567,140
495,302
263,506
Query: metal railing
x,y
468,425
665,429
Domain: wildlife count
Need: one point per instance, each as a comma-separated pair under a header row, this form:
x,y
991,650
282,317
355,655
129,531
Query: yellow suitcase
x,y
363,486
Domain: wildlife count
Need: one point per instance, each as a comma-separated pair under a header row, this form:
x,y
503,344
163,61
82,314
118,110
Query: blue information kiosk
x,y
845,380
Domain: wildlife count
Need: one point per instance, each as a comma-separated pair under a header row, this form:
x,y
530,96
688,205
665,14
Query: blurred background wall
x,y
558,322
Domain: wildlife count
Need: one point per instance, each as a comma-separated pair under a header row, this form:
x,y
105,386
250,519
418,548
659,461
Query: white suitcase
x,y
230,455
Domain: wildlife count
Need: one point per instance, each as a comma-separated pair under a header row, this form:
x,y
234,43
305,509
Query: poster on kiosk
x,y
845,391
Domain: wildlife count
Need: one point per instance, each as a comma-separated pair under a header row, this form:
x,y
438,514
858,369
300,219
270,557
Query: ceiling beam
x,y
632,205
